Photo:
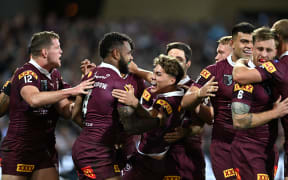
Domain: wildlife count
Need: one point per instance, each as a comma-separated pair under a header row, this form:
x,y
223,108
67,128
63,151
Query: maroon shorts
x,y
20,161
189,162
254,161
94,161
143,168
221,159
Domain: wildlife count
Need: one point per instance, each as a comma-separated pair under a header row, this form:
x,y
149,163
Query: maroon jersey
x,y
222,70
33,126
277,72
259,98
101,123
152,142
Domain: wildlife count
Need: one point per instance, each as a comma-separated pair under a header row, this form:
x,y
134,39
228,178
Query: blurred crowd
x,y
79,38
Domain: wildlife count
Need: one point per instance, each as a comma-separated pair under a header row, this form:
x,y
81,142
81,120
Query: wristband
x,y
7,88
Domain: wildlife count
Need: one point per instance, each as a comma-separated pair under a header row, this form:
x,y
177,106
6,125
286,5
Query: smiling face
x,y
161,80
54,53
242,45
264,51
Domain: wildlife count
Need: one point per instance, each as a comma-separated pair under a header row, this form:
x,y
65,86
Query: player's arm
x,y
205,111
194,96
242,119
142,73
35,98
76,111
245,75
134,117
4,98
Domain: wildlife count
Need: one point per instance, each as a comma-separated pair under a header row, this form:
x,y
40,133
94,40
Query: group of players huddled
x,y
134,132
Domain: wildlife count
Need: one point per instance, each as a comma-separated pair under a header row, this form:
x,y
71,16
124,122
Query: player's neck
x,y
43,63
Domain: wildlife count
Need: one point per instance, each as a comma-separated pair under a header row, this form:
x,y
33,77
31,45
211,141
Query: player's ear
x,y
172,80
44,52
116,53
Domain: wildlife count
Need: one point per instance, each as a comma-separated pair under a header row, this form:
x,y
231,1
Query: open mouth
x,y
262,60
247,51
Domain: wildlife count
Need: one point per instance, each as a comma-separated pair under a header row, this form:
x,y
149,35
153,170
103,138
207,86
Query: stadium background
x,y
150,23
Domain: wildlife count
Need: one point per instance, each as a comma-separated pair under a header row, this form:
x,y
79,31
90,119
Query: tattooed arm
x,y
138,120
242,119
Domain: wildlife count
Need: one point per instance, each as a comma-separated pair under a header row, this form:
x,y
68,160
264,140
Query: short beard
x,y
123,67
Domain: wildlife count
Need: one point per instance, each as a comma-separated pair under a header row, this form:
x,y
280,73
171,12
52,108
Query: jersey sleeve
x,y
27,77
243,93
164,104
146,99
205,75
272,70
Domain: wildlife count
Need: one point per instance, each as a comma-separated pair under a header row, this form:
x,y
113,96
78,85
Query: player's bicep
x,y
242,119
28,92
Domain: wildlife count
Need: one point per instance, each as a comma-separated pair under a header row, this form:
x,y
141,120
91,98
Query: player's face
x,y
54,54
264,51
242,45
161,80
125,57
223,51
180,56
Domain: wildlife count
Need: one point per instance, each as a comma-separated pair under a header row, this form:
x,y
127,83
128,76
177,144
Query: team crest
x,y
227,79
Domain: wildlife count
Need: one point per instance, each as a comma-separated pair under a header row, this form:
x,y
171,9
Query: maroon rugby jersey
x,y
101,121
222,70
34,126
259,98
152,142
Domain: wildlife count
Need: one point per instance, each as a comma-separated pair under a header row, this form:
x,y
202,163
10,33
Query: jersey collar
x,y
42,70
284,54
185,80
106,65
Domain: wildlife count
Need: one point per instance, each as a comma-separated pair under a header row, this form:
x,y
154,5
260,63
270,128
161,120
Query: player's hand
x,y
83,87
126,96
280,107
209,89
86,66
176,135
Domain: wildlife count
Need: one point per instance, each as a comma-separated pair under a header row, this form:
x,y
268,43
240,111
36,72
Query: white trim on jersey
x,y
151,154
180,92
284,54
184,81
106,65
42,70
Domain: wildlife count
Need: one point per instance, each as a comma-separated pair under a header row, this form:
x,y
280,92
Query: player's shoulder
x,y
27,69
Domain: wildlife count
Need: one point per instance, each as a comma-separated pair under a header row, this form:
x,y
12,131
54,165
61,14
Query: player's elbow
x,y
34,102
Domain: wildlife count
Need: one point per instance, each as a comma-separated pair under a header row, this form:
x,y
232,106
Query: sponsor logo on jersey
x,y
227,79
116,168
88,171
89,74
262,177
205,73
26,73
146,95
248,87
269,67
171,178
25,167
229,172
238,177
100,85
165,104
